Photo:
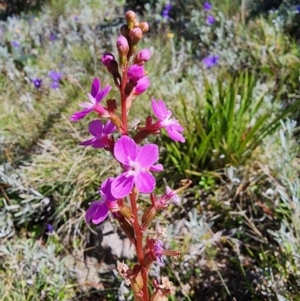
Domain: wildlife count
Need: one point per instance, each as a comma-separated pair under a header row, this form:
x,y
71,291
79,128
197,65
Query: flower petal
x,y
156,168
96,86
102,93
144,182
95,128
174,134
147,155
122,185
97,212
125,147
109,128
105,190
88,142
90,212
101,213
86,105
79,115
159,109
92,102
99,143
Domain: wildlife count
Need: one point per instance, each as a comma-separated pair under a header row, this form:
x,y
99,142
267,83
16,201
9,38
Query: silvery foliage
x,y
193,229
31,204
36,265
282,160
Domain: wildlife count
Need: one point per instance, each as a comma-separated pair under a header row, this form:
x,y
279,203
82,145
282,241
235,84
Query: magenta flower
x,y
99,210
172,126
137,163
142,85
156,250
135,72
169,197
95,98
142,56
100,132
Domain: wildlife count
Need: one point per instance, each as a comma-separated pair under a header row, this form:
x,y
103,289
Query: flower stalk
x,y
119,196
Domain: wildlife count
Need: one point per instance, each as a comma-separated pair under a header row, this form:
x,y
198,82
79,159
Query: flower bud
x,y
124,30
111,105
137,283
126,226
130,17
116,120
110,63
142,56
122,45
148,217
144,26
135,72
142,85
126,211
107,59
124,271
135,35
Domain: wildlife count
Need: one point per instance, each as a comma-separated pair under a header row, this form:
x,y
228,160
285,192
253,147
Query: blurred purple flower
x,y
52,37
49,228
210,20
55,76
37,82
211,60
16,44
298,8
166,11
54,85
76,18
207,6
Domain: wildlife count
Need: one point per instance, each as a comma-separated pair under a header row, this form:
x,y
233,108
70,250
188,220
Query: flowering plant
x,y
119,195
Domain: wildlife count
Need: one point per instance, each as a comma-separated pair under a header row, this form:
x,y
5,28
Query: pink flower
x,y
137,163
142,56
142,85
99,210
100,132
122,45
135,72
167,198
109,60
172,126
95,97
156,250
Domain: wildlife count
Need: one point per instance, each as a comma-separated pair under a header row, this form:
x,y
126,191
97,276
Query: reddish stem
x,y
123,99
139,242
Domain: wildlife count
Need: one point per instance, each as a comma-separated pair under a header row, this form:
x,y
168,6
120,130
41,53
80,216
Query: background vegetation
x,y
238,226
